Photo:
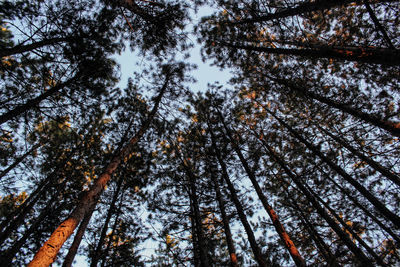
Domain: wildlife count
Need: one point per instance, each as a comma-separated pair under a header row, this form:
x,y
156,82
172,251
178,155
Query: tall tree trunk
x,y
97,253
69,258
383,56
195,243
379,206
307,7
18,49
18,161
17,218
319,242
225,219
391,127
347,227
378,25
365,210
32,103
48,252
375,165
342,235
7,258
204,260
103,258
242,216
105,254
287,241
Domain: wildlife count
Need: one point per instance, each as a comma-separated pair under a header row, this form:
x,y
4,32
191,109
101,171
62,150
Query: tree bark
x,y
48,252
242,216
365,210
391,127
18,49
32,103
347,227
16,218
382,56
342,235
204,261
379,206
69,258
375,165
225,219
287,241
7,258
307,7
97,253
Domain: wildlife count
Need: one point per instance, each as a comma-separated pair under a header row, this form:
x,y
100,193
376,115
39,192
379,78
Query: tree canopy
x,y
294,162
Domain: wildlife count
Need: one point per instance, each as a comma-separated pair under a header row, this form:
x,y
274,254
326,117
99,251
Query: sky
x,y
204,74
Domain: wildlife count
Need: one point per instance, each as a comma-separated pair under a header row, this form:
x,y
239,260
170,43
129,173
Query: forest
x,y
293,162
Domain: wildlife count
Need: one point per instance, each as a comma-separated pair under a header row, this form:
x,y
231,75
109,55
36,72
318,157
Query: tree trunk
x,y
242,216
117,214
16,218
365,210
287,241
375,165
18,49
379,206
48,252
7,258
97,253
204,261
383,56
347,227
342,235
318,5
319,242
69,258
378,25
225,219
18,161
32,103
196,249
391,127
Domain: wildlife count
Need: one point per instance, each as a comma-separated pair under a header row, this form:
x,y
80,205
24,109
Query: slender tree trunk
x,y
287,241
18,49
48,252
196,257
204,261
379,206
378,25
391,127
347,227
319,242
18,161
225,219
69,258
342,235
242,216
103,258
375,165
16,218
307,7
365,210
97,253
32,103
7,258
383,56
